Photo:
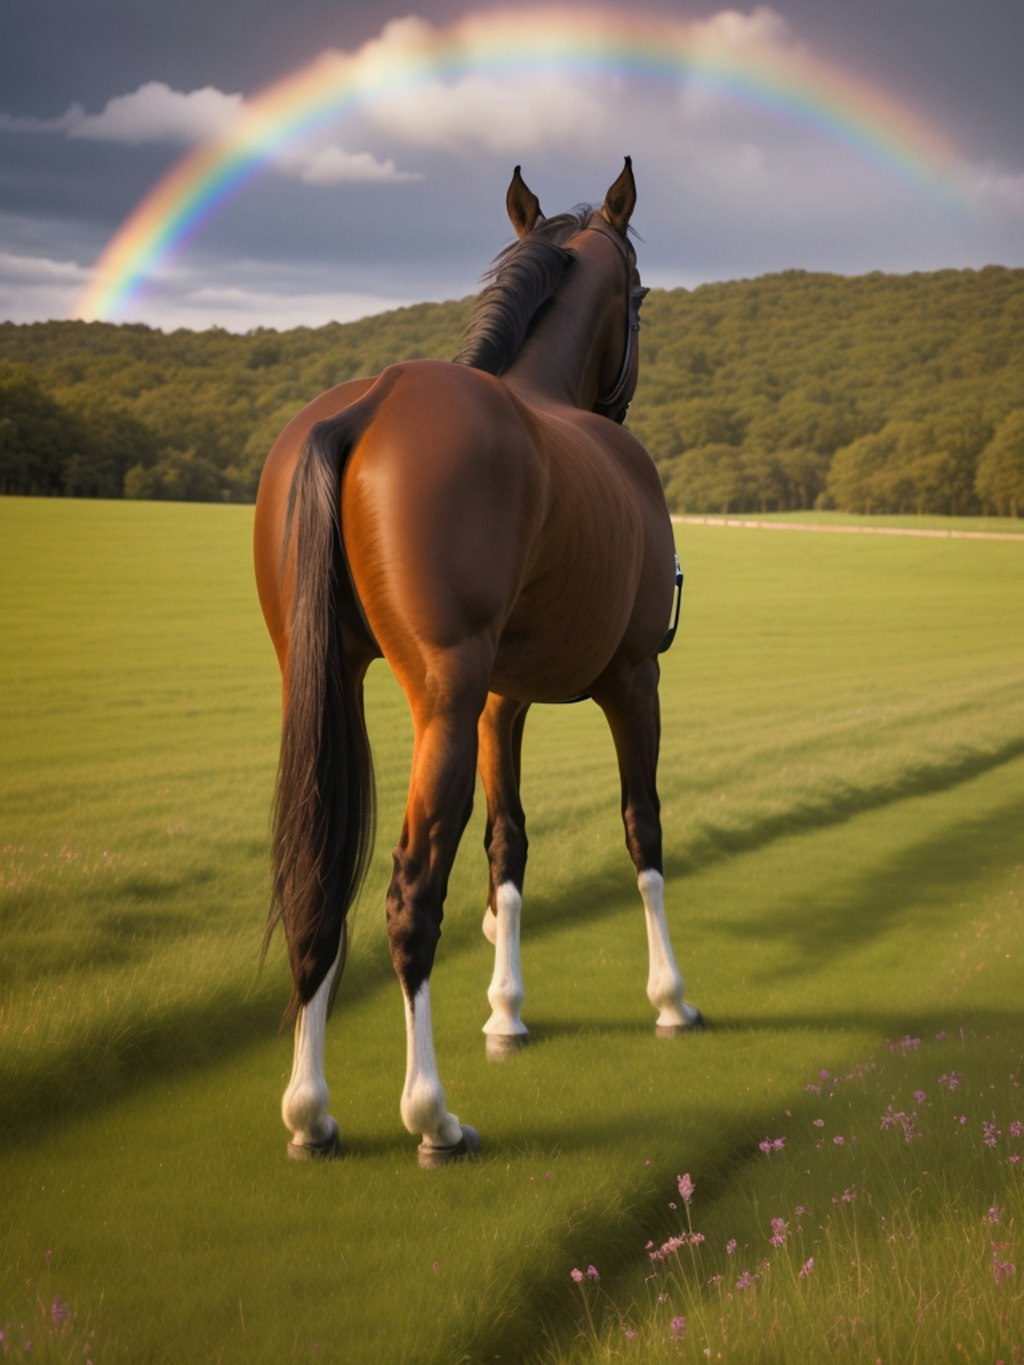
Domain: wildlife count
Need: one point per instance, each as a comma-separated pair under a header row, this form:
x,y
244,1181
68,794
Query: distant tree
x,y
178,476
112,441
901,468
37,434
708,478
853,478
1000,480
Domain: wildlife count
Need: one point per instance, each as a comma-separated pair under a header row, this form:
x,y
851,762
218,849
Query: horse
x,y
490,528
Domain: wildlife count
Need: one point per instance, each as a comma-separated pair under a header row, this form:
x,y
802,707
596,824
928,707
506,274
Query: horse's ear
x,y
620,200
523,205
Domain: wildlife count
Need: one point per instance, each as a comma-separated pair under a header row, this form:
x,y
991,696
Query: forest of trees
x,y
879,393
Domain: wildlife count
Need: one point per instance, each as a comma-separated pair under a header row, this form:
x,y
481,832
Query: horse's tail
x,y
324,813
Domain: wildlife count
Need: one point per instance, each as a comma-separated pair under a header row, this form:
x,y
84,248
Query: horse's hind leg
x,y
629,699
304,1105
439,804
501,737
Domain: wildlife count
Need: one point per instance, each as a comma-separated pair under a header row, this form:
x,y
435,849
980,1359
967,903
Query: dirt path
x,y
748,524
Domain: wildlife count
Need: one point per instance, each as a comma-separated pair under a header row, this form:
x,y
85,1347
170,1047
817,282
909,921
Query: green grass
x,y
843,793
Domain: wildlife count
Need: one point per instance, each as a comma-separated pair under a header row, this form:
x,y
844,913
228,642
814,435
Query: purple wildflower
x,y
951,1079
686,1187
1017,1129
691,1239
806,1268
994,1214
921,1096
592,1273
1001,1269
745,1280
905,1044
772,1144
58,1311
576,1275
730,1246
906,1123
992,1134
678,1328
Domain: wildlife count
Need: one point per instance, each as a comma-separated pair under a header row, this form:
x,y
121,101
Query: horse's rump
x,y
466,513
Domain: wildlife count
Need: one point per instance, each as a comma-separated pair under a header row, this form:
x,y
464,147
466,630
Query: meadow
x,y
842,788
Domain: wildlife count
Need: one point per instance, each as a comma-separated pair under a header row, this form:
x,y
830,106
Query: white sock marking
x,y
664,982
304,1105
423,1103
505,993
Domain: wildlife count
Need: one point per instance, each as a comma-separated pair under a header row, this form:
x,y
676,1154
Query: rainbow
x,y
587,42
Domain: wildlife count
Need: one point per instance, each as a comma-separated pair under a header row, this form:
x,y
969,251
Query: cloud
x,y
332,165
240,309
991,187
40,270
510,117
765,40
156,113
16,123
34,287
753,32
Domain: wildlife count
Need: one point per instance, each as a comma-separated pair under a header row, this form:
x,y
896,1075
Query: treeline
x,y
875,394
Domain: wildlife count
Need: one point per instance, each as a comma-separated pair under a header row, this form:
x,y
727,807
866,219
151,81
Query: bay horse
x,y
490,528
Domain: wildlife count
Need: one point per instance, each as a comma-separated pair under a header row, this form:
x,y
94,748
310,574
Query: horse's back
x,y
443,497
531,536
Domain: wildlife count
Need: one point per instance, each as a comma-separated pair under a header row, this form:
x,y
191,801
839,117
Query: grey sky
x,y
725,191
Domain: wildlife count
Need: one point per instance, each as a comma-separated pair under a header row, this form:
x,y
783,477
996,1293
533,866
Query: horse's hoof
x,y
693,1025
503,1045
430,1157
324,1150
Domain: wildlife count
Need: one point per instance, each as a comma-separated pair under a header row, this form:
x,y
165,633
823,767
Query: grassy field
x,y
843,798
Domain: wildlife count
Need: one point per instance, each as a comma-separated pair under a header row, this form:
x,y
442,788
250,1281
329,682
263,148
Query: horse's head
x,y
616,349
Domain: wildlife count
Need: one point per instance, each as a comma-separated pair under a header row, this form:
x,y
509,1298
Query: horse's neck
x,y
561,359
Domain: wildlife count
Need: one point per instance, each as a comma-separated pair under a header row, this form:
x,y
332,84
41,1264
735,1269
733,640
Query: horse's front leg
x,y
501,738
629,699
440,800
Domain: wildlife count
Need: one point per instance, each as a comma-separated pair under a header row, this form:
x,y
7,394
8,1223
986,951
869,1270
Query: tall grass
x,y
842,795
880,1218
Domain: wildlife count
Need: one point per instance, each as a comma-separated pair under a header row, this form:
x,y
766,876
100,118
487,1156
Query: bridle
x,y
615,404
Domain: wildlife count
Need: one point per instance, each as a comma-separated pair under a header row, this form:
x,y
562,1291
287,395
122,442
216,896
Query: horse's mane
x,y
521,280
